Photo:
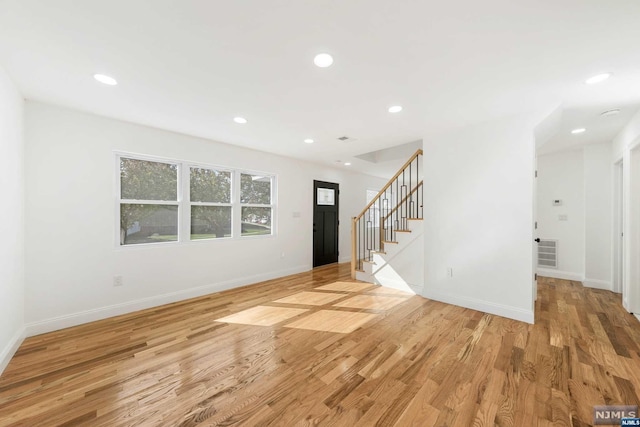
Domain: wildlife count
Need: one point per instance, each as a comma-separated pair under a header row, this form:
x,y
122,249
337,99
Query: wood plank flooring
x,y
408,361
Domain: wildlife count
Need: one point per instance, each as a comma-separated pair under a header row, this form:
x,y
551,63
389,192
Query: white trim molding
x,y
558,274
11,348
509,312
598,284
100,313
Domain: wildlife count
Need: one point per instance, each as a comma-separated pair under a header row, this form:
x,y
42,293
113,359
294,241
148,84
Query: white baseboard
x,y
558,274
481,305
598,284
397,284
75,319
11,348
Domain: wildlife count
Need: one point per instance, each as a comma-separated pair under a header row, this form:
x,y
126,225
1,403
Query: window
x,y
218,202
255,198
373,213
211,208
148,201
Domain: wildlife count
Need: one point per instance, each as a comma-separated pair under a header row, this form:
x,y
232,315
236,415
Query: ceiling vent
x,y
346,138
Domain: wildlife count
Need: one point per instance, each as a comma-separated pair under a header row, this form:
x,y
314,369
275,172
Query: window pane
x,y
256,221
370,195
326,196
144,180
148,223
255,189
210,186
210,222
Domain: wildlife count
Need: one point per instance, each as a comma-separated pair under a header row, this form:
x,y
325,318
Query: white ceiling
x,y
192,65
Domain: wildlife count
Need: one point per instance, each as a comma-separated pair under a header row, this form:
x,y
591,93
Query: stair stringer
x,y
401,266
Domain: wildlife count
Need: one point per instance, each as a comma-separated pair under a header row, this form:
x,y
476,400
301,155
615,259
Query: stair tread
x,y
361,271
389,241
379,252
415,219
369,262
403,231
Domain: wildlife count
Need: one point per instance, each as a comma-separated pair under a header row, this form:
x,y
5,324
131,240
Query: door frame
x,y
534,226
631,277
618,226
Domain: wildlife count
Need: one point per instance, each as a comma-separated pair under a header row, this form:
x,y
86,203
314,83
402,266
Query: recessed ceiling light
x,y
579,130
309,141
105,79
323,60
598,78
240,120
347,164
395,109
611,112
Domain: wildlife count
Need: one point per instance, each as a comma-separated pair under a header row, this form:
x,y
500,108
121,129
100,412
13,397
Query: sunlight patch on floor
x,y
333,321
310,298
263,315
346,286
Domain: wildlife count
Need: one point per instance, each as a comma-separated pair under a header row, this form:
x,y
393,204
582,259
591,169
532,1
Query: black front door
x,y
325,222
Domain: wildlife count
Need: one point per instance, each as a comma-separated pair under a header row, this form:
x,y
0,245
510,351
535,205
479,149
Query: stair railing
x,y
399,201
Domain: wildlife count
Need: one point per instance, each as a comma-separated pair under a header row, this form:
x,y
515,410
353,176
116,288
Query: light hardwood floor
x,y
300,352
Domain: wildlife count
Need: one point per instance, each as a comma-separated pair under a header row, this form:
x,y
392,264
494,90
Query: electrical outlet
x,y
117,281
449,271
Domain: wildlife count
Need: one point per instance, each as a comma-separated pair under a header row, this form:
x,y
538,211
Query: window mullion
x,y
150,202
209,204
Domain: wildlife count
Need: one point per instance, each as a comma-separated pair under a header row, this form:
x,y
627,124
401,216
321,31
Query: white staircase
x,y
401,265
387,237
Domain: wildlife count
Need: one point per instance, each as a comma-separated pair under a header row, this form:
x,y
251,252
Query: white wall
x,y
561,176
631,283
583,180
71,255
11,220
626,147
627,136
478,210
598,191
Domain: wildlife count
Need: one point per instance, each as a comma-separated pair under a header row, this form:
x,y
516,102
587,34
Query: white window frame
x,y
120,200
189,203
184,201
254,205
